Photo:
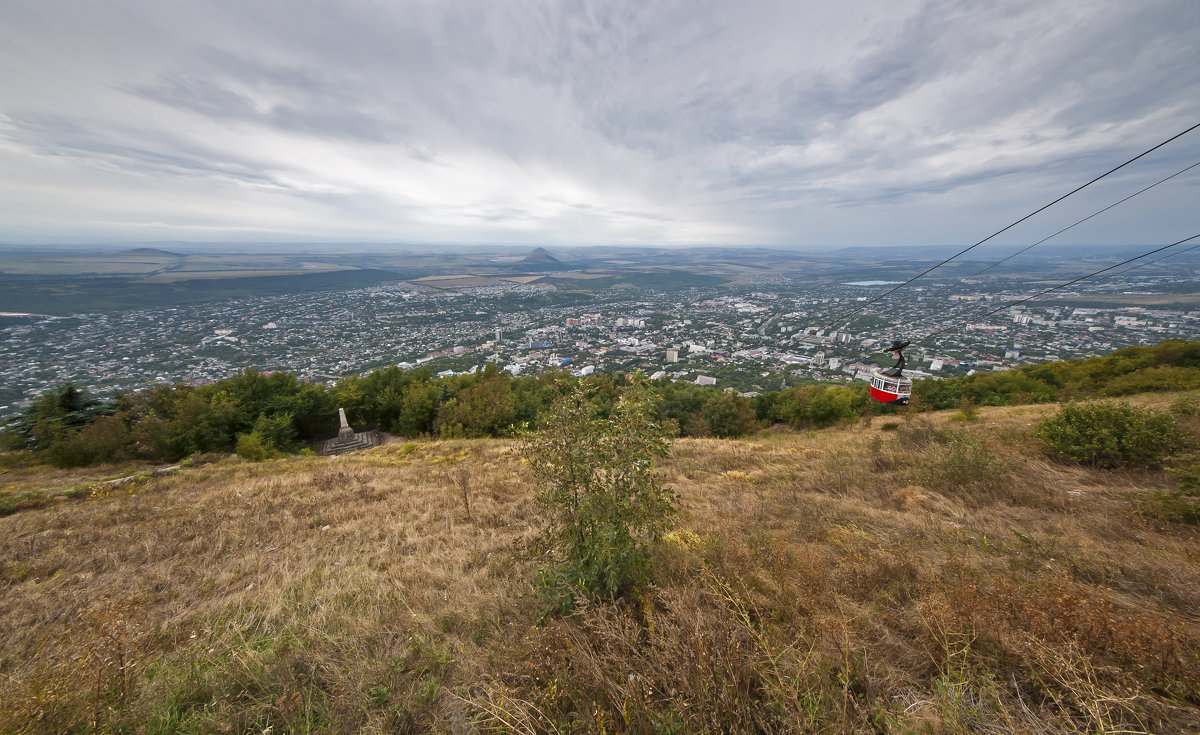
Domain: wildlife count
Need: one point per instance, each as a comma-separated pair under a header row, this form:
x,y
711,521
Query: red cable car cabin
x,y
890,390
890,386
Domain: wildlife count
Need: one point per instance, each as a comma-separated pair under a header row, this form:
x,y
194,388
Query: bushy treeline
x,y
1172,365
261,415
170,422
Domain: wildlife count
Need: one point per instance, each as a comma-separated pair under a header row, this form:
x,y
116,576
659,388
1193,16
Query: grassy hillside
x,y
924,575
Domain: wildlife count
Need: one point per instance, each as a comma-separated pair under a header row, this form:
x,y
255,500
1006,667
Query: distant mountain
x,y
150,253
540,256
540,261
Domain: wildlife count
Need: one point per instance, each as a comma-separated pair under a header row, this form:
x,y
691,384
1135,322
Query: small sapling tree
x,y
603,503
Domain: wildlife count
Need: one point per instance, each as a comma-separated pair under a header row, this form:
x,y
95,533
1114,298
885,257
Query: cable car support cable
x,y
1152,262
1068,283
1085,219
1014,224
1079,222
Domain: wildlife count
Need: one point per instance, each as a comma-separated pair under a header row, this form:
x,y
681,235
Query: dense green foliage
x,y
260,416
1111,435
1172,365
169,423
166,423
53,415
814,405
602,500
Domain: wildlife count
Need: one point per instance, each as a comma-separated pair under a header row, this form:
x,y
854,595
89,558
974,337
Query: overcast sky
x,y
782,123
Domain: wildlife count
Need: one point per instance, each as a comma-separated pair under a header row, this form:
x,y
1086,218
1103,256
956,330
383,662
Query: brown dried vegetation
x,y
942,577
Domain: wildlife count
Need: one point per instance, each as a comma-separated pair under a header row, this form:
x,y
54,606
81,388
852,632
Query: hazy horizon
x,y
315,247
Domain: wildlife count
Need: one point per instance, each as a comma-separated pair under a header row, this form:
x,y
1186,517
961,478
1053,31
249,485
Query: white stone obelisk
x,y
344,432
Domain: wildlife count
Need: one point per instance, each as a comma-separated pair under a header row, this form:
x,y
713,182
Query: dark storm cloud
x,y
621,121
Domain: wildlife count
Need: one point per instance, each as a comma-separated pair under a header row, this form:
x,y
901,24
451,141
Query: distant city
x,y
744,336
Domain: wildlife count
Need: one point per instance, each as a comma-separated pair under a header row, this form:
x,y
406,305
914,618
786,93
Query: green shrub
x,y
1111,435
819,405
252,447
967,409
275,430
603,503
1170,507
1187,472
103,440
728,415
1186,405
1181,505
52,417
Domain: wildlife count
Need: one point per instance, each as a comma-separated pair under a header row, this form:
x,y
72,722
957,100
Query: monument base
x,y
352,443
348,440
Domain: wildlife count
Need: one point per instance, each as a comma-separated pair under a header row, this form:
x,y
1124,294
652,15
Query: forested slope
x,y
277,413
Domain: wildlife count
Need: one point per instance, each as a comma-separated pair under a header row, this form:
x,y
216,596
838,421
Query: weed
x,y
428,689
918,432
88,688
450,459
963,465
379,695
840,473
463,477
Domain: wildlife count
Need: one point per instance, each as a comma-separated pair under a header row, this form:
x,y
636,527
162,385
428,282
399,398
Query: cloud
x,y
773,123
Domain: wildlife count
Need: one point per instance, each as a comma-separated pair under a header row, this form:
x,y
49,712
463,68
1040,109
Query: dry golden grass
x,y
24,485
941,577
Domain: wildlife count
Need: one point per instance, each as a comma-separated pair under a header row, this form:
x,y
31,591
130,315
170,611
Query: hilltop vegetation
x,y
943,572
1169,366
278,413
